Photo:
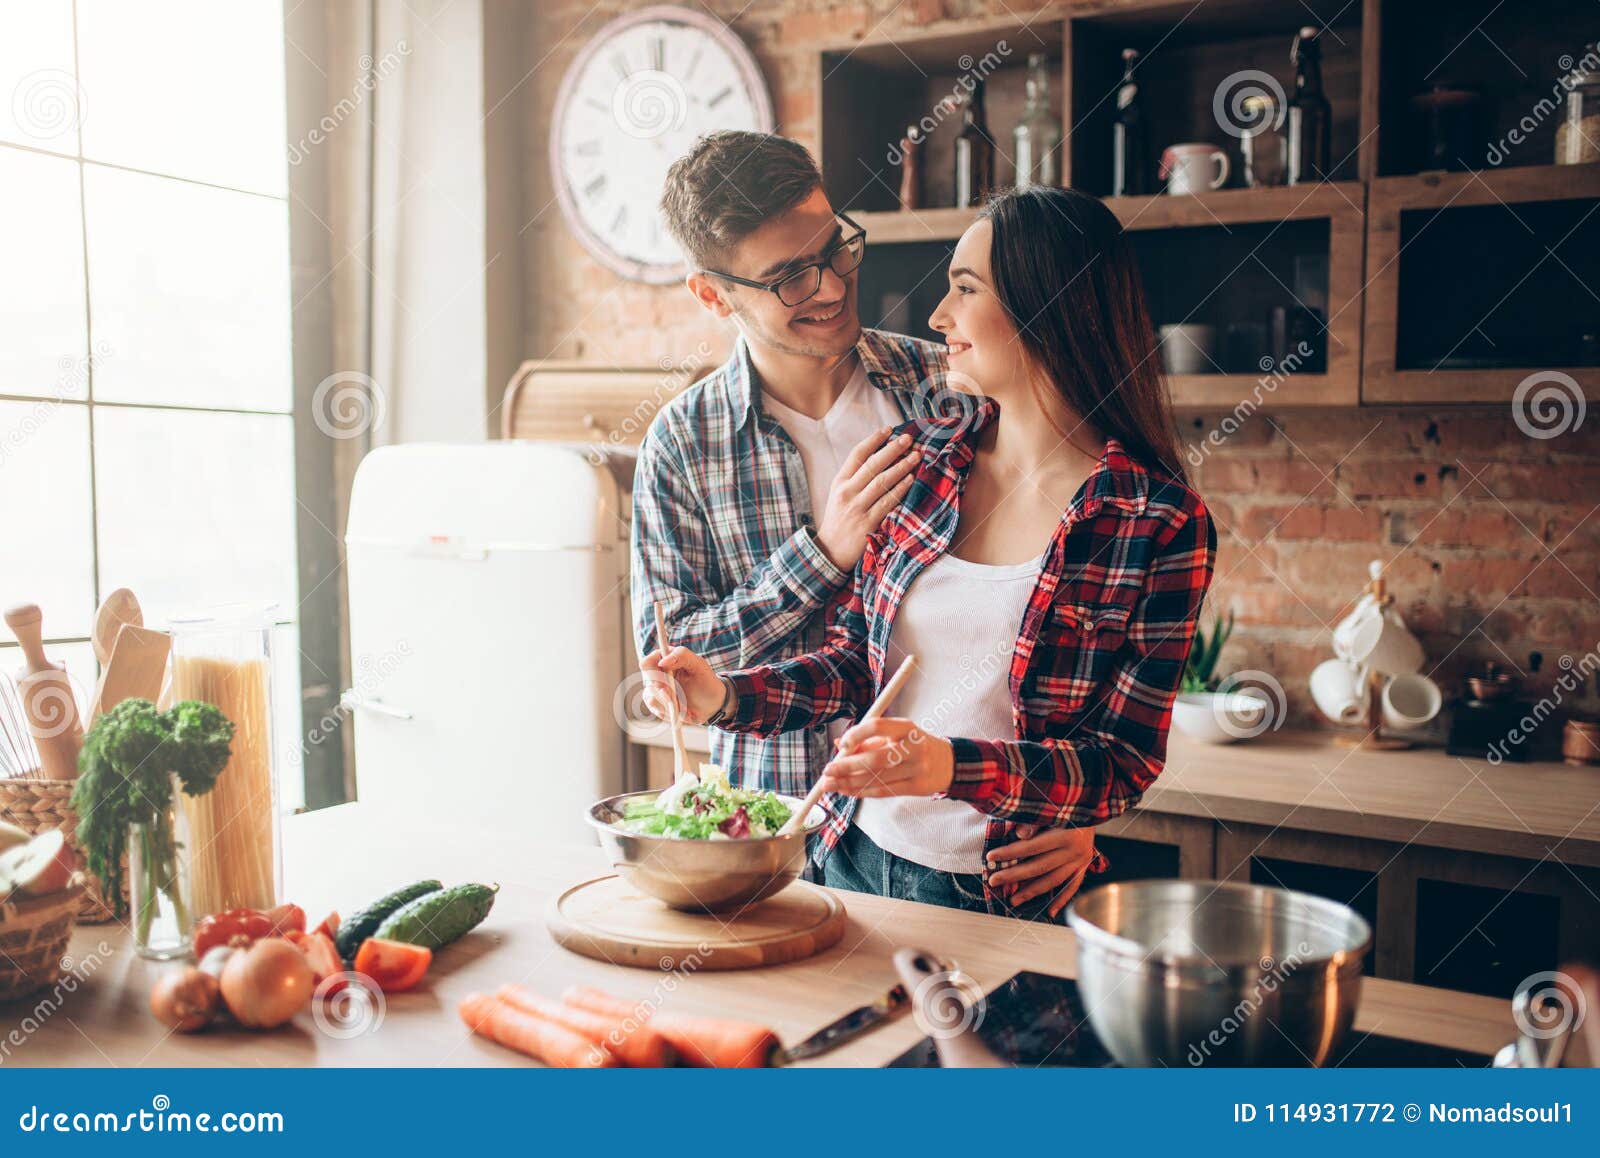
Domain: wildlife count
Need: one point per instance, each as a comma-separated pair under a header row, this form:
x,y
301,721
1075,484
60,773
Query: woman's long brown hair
x,y
1066,273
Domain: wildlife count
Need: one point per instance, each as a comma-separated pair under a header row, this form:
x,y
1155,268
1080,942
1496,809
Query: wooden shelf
x,y
1257,391
894,227
1382,380
870,88
1238,206
1219,207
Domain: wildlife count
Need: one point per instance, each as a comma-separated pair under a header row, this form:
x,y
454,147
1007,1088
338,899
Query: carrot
x,y
639,1046
710,1042
541,1040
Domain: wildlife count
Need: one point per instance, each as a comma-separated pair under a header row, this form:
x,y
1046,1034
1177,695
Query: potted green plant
x,y
1201,711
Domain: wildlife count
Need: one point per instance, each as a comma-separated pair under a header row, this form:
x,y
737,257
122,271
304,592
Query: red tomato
x,y
237,927
324,959
286,917
393,966
329,927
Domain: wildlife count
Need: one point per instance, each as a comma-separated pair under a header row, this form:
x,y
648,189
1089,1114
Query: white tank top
x,y
961,620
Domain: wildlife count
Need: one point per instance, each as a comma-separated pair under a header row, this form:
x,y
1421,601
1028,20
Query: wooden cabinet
x,y
1440,287
1478,283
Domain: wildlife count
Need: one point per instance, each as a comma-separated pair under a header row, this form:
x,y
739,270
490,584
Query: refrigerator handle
x,y
352,701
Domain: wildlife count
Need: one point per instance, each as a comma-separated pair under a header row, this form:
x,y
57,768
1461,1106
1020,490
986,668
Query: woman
x,y
1046,569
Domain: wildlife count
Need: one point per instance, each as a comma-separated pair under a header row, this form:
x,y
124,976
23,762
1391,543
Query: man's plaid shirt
x,y
1096,665
723,538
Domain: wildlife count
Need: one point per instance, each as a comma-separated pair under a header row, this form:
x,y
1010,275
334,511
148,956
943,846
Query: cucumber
x,y
439,918
364,922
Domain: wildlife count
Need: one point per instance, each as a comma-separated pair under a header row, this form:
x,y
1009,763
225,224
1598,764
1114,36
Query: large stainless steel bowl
x,y
1190,973
702,875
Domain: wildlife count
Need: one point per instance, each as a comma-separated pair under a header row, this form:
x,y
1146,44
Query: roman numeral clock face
x,y
633,102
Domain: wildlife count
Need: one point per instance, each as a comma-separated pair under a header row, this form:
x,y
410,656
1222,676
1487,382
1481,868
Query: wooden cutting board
x,y
607,919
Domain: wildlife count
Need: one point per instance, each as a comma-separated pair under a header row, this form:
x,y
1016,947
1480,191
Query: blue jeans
x,y
858,864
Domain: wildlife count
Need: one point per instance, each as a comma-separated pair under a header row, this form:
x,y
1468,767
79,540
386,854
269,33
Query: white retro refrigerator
x,y
488,606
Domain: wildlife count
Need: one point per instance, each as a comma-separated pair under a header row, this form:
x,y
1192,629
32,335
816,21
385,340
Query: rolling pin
x,y
47,698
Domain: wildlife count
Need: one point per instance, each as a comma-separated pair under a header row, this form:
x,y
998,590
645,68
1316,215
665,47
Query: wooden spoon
x,y
879,706
120,607
680,754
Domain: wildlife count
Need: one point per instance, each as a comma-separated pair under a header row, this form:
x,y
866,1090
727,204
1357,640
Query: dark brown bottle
x,y
974,151
1310,117
1129,150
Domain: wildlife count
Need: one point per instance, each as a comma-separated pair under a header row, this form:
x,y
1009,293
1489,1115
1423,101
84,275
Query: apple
x,y
42,866
11,836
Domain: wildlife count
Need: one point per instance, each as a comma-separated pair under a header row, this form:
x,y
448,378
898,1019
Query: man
x,y
756,490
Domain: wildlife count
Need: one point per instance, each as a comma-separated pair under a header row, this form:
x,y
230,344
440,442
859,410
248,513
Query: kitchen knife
x,y
851,1026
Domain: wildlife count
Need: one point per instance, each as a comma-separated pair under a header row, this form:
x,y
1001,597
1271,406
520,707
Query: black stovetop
x,y
1036,1019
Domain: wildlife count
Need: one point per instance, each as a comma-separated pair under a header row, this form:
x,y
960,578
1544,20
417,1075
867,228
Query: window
x,y
146,434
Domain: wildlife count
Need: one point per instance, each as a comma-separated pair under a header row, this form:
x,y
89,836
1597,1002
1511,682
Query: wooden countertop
x,y
1300,780
342,856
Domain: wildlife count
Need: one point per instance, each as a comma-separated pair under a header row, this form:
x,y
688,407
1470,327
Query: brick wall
x,y
1492,538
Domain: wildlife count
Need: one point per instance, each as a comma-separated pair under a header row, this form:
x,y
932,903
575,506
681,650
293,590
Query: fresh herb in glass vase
x,y
133,758
1199,674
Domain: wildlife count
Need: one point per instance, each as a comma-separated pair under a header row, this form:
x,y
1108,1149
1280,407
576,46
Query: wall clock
x,y
633,101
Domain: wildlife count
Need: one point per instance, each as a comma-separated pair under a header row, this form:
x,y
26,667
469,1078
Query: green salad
x,y
707,807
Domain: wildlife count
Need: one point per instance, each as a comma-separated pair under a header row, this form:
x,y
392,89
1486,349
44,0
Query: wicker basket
x,y
38,805
33,938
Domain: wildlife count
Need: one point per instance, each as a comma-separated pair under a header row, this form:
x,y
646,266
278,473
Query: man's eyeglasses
x,y
843,256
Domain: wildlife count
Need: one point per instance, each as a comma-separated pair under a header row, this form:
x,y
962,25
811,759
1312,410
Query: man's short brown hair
x,y
730,184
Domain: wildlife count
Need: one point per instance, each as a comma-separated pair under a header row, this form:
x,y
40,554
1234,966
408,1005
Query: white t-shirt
x,y
961,620
825,442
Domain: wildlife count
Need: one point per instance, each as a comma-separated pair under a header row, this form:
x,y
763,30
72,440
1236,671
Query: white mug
x,y
1410,701
1380,640
1188,168
1340,690
1189,348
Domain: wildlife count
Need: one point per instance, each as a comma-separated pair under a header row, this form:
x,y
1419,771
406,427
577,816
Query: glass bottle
x,y
974,151
1129,150
160,903
1310,116
1038,134
1578,134
1261,143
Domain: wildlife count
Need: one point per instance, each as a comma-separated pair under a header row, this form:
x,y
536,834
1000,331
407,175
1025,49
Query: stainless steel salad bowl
x,y
1191,973
702,875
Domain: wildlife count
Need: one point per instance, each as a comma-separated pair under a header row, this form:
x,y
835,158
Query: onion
x,y
216,959
185,1001
267,984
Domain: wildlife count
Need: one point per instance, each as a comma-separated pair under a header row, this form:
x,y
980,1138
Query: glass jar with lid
x,y
1262,143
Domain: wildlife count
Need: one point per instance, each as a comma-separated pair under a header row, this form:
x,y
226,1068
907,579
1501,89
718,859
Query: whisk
x,y
19,755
